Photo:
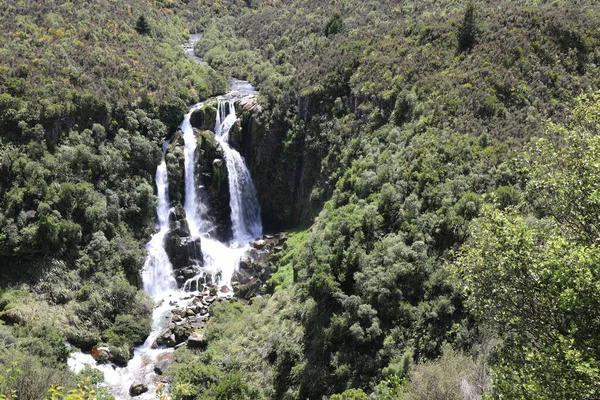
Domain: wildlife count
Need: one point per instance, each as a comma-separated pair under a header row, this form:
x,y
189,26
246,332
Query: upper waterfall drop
x,y
246,222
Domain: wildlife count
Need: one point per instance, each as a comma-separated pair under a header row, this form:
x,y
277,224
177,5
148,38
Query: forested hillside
x,y
88,92
434,164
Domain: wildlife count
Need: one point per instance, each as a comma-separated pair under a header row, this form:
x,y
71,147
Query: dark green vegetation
x,y
436,149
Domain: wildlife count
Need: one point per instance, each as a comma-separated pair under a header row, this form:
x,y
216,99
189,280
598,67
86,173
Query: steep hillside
x,y
398,124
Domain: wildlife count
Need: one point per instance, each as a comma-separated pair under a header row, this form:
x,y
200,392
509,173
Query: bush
x,y
142,26
335,25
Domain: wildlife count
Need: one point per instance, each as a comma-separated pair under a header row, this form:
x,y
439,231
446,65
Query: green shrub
x,y
334,25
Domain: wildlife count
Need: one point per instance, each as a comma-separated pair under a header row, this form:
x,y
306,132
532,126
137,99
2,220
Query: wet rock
x,y
137,389
197,340
209,299
179,312
259,244
179,228
204,118
161,366
225,289
189,312
100,354
183,251
176,318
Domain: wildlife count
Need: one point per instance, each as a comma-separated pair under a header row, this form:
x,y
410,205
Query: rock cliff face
x,y
284,168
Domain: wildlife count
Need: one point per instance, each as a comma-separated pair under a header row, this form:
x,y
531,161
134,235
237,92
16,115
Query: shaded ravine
x,y
220,260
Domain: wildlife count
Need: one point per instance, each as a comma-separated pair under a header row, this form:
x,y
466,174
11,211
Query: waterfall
x,y
220,259
196,212
157,275
245,210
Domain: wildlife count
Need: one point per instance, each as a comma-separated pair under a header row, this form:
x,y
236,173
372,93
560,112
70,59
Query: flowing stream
x,y
219,259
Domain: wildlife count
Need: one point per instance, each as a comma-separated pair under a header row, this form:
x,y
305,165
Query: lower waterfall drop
x,y
157,274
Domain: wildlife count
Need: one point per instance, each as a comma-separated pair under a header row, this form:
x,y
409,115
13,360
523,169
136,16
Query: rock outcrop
x,y
204,118
254,268
187,322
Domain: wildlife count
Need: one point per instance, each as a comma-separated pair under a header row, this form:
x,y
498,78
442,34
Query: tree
x,y
334,25
467,30
535,277
142,26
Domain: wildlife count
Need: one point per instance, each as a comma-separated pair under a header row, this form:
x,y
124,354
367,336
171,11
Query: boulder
x,y
161,366
120,355
182,332
137,388
100,354
166,338
259,244
197,340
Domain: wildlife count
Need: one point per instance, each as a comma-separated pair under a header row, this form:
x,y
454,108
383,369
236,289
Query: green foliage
x,y
142,26
334,25
232,387
350,394
264,340
128,330
534,278
467,30
389,134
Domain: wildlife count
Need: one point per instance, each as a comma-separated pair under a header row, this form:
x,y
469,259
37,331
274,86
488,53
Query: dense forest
x,y
433,164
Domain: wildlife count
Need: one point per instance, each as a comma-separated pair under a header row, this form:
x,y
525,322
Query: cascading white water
x,y
157,275
196,212
245,210
220,259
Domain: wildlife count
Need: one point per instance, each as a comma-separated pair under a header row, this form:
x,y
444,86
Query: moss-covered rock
x,y
213,175
236,136
175,172
204,118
